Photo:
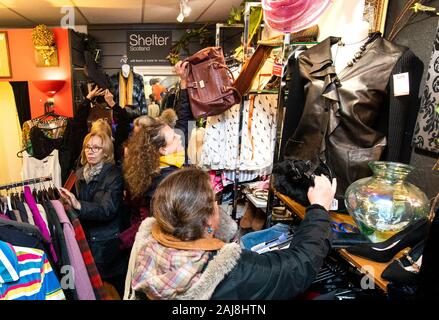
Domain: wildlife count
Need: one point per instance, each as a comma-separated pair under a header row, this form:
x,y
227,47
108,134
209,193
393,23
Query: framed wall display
x,y
5,61
375,12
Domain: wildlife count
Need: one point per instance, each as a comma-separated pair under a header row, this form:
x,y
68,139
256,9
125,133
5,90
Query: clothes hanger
x,y
22,193
34,194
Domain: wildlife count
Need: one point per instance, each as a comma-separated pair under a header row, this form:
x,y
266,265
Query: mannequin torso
x,y
352,38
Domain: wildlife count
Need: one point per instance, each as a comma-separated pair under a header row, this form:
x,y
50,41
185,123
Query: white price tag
x,y
401,85
334,204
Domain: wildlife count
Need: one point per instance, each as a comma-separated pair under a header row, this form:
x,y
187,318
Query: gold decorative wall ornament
x,y
46,54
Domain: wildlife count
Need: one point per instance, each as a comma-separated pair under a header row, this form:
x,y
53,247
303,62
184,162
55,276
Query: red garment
x,y
138,212
157,90
92,270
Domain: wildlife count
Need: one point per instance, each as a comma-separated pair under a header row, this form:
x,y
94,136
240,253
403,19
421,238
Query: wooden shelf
x,y
372,268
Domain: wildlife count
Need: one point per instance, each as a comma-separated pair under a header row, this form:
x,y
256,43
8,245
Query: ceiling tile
x,y
111,11
49,13
10,19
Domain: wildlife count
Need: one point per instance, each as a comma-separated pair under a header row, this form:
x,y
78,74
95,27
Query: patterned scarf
x,y
167,267
126,90
92,171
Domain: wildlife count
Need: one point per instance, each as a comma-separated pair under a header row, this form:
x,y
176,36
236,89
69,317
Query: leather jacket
x,y
347,119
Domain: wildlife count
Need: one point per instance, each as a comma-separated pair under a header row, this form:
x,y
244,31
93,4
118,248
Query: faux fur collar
x,y
223,262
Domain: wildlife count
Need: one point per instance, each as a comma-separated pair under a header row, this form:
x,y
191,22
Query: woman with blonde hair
x,y
98,200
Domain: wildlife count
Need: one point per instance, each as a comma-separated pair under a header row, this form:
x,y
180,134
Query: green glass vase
x,y
385,203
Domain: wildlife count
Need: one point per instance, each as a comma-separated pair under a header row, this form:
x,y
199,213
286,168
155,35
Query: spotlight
x,y
180,17
185,10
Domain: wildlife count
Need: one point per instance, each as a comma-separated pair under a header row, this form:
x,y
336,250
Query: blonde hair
x,y
143,121
101,125
169,116
107,146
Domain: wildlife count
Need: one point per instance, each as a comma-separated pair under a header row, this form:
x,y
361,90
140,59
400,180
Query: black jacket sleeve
x,y
110,197
403,110
281,274
184,114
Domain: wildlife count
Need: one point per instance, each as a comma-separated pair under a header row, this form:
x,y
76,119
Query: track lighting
x,y
185,10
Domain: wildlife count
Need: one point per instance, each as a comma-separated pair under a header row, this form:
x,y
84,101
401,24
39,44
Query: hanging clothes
x,y
39,222
83,285
351,118
221,138
50,129
49,166
29,214
129,93
26,274
92,270
426,135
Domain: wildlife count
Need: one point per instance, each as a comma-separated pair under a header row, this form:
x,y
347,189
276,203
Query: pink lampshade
x,y
293,15
49,87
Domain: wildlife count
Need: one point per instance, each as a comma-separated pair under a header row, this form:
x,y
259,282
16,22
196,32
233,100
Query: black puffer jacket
x,y
281,274
102,218
231,273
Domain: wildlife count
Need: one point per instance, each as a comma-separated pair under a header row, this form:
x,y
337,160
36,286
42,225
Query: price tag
x,y
277,69
401,85
334,204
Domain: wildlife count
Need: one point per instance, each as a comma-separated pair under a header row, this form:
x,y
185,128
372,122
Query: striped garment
x,y
26,274
92,270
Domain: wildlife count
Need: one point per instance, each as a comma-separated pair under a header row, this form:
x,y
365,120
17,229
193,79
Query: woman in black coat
x,y
183,252
98,203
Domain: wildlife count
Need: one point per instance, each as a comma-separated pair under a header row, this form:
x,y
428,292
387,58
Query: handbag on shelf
x,y
209,83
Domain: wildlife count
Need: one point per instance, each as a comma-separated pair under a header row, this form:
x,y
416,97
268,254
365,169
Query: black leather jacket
x,y
102,218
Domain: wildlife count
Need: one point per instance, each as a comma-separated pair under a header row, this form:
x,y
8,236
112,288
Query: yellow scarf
x,y
126,90
167,240
174,159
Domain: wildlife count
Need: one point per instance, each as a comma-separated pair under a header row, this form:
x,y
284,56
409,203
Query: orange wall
x,y
21,52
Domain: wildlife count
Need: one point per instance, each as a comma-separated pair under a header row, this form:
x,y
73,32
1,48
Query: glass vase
x,y
385,203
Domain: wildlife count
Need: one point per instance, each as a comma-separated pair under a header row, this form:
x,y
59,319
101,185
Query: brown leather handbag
x,y
209,83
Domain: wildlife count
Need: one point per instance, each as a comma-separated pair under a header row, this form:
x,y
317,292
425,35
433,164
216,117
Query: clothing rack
x,y
248,6
25,182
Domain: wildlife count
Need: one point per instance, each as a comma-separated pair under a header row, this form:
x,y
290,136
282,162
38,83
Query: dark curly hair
x,y
142,159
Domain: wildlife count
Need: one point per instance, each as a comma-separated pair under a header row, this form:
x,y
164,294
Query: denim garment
x,y
253,238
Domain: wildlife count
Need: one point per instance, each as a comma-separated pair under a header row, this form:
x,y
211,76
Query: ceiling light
x,y
185,10
180,17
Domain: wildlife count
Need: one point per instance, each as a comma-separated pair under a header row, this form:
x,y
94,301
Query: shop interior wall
x,y
419,36
112,40
24,69
10,136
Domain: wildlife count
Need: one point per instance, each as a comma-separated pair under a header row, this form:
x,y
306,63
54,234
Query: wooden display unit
x,y
371,268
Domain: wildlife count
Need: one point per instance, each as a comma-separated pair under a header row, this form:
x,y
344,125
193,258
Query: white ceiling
x,y
28,13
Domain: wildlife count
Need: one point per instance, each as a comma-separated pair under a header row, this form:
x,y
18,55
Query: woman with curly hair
x,y
152,153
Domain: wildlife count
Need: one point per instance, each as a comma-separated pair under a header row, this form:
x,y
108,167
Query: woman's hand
x,y
71,199
95,92
182,71
108,96
323,191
